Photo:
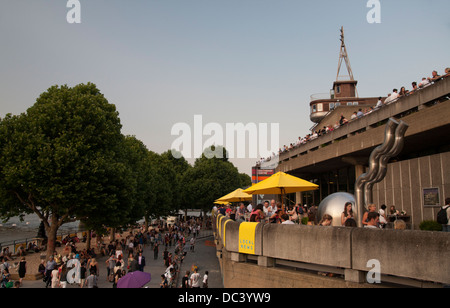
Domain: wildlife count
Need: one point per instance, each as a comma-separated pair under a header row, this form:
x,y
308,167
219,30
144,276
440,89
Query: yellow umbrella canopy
x,y
281,183
221,202
236,196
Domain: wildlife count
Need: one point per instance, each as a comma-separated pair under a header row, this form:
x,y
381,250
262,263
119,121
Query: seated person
x,y
6,254
21,251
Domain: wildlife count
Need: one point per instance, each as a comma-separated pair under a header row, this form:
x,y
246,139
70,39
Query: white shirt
x,y
382,219
268,210
424,83
250,208
195,280
393,96
288,222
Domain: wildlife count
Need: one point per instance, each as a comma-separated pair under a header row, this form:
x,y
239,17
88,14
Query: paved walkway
x,y
203,256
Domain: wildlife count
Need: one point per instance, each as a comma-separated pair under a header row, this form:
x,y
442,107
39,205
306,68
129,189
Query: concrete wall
x,y
421,255
324,246
405,181
414,256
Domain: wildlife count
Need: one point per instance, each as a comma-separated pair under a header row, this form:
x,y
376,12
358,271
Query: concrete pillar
x,y
352,275
298,198
266,261
359,169
238,257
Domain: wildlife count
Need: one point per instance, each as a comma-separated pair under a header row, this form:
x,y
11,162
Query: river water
x,y
15,229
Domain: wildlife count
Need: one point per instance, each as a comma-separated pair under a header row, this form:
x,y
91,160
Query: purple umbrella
x,y
134,280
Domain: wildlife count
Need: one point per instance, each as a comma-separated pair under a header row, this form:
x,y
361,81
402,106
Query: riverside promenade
x,y
204,256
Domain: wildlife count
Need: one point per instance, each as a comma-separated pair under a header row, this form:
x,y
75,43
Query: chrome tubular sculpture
x,y
395,150
392,146
379,158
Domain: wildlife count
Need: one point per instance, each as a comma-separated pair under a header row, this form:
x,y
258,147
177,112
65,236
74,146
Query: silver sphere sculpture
x,y
334,204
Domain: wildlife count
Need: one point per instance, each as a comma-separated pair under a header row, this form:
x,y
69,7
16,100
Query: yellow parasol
x,y
236,196
221,202
281,183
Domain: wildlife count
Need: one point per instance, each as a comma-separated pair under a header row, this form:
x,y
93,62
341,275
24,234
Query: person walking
x,y
51,265
205,280
22,269
444,216
91,281
55,278
141,261
185,281
63,276
195,279
155,251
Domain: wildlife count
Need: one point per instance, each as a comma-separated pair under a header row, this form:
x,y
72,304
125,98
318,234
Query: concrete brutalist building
x,y
417,181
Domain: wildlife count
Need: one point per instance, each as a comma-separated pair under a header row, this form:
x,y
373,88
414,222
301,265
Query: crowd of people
x,y
392,97
273,212
124,254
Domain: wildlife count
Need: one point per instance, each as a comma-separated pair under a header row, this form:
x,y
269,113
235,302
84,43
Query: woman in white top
x,y
383,217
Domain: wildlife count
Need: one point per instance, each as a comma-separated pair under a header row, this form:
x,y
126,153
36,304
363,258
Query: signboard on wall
x,y
431,197
247,236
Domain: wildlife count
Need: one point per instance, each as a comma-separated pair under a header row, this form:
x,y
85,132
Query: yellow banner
x,y
219,224
225,232
247,232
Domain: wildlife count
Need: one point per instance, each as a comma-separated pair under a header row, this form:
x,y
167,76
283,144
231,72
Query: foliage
x,y
208,180
246,180
430,225
65,159
305,220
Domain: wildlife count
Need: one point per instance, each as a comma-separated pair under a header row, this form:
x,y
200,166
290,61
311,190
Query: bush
x,y
430,225
304,221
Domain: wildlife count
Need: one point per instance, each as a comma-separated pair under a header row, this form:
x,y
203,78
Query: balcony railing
x,y
318,96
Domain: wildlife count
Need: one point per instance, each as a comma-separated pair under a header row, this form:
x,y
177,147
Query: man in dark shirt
x,y
134,266
185,280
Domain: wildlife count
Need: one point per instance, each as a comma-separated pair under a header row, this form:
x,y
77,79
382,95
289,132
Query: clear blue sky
x,y
252,61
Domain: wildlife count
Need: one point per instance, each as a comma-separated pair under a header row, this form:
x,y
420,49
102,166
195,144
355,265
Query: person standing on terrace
x,y
434,77
347,213
257,214
372,208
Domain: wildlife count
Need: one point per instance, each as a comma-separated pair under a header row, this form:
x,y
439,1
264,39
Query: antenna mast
x,y
344,56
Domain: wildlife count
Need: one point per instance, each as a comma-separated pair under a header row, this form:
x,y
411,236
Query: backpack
x,y
442,217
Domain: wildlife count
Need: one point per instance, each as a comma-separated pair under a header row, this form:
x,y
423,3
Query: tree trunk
x,y
204,220
52,230
88,240
112,234
146,222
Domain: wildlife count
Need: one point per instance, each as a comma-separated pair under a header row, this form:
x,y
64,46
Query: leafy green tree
x,y
246,180
61,160
164,188
210,179
180,166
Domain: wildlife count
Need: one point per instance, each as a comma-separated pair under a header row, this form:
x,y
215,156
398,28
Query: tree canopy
x,y
65,159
